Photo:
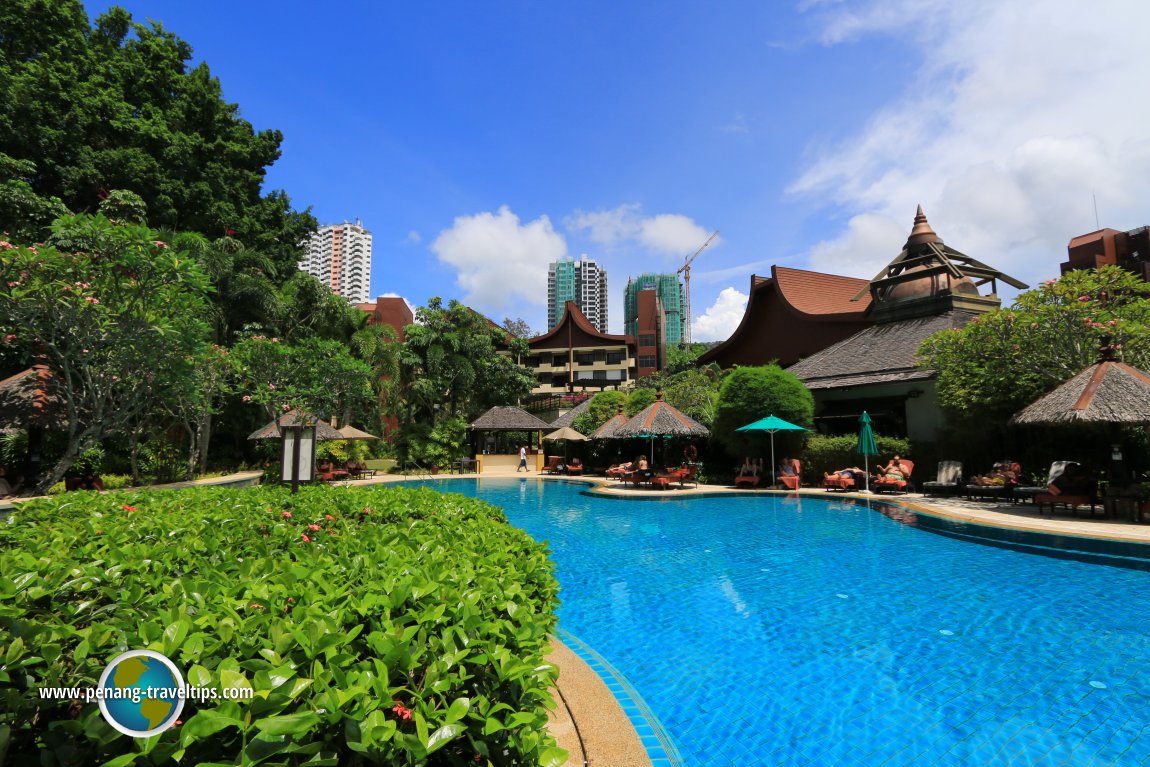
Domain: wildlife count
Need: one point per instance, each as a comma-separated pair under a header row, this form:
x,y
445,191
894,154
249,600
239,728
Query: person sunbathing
x,y
893,470
750,468
852,472
1001,475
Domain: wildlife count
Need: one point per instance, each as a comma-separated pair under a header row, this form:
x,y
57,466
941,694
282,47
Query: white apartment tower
x,y
582,282
340,256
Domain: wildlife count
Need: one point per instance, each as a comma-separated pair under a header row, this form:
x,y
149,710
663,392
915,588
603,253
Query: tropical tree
x,y
115,105
750,393
1005,359
452,358
315,375
518,327
112,312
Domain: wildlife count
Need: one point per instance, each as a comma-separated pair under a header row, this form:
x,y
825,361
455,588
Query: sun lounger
x,y
947,480
893,484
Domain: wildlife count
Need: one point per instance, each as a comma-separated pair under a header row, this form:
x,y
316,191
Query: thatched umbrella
x,y
568,418
298,447
273,430
1107,392
661,419
350,432
610,428
565,435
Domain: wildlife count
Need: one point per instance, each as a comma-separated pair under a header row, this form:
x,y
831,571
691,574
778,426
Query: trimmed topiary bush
x,y
375,626
750,393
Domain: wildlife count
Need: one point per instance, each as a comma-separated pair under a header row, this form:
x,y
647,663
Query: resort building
x,y
1129,250
576,356
583,282
928,287
650,333
392,311
670,293
339,255
793,314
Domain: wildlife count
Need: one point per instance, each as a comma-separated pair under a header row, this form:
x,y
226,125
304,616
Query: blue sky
x,y
480,141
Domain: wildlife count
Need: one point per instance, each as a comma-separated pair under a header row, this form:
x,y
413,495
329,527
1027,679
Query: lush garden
x,y
395,626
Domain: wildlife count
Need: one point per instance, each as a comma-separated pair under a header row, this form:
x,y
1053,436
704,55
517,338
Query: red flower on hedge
x,y
329,517
305,538
313,527
401,712
285,514
128,508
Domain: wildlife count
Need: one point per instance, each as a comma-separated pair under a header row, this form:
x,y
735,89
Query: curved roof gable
x,y
820,294
582,331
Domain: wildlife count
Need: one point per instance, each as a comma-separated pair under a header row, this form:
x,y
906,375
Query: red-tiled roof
x,y
821,294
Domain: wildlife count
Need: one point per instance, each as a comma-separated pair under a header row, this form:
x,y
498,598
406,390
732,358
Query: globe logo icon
x,y
141,693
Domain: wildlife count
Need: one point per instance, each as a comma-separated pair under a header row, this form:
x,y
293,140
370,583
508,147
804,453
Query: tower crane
x,y
685,270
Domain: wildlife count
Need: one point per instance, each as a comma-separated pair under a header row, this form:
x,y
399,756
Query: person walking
x,y
522,459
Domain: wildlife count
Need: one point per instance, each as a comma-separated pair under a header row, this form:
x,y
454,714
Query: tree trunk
x,y
205,438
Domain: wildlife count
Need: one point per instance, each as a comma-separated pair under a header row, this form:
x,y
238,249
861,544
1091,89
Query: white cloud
x,y
413,238
868,245
626,226
1018,114
501,263
721,319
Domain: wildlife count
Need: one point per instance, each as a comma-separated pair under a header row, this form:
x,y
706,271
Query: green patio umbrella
x,y
866,446
771,424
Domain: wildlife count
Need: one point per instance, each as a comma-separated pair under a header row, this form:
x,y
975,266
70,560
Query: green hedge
x,y
343,608
823,454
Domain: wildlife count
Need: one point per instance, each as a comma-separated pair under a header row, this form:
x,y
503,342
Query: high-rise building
x,y
670,293
583,282
340,256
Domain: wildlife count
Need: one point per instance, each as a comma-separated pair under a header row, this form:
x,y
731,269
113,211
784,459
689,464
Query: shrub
x,y
342,608
750,393
823,454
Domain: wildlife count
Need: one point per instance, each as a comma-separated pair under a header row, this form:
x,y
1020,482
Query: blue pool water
x,y
797,631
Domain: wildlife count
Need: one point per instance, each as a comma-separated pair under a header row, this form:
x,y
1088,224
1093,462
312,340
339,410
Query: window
x,y
599,375
585,358
647,361
647,339
615,358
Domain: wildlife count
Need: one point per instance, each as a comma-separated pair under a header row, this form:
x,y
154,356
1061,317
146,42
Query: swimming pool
x,y
799,631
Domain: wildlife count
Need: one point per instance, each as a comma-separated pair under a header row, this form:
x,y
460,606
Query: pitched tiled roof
x,y
31,398
817,293
878,354
573,315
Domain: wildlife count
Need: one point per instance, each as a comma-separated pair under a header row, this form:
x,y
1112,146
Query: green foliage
x,y
1005,359
116,106
451,359
320,377
603,407
638,400
825,454
115,315
750,393
25,216
340,609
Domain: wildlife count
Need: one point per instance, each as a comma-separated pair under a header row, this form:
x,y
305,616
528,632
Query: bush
x,y
750,393
823,454
342,609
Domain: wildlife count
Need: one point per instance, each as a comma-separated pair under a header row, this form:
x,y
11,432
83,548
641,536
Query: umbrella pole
x,y
774,469
866,466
